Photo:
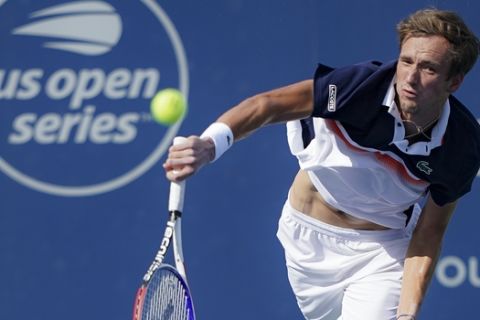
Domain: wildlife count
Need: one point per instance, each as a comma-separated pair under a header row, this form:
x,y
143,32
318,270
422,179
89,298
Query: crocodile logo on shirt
x,y
424,167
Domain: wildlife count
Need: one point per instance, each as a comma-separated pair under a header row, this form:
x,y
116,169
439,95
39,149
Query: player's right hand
x,y
186,158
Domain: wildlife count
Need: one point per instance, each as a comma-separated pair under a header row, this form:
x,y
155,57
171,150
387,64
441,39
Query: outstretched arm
x,y
280,105
422,255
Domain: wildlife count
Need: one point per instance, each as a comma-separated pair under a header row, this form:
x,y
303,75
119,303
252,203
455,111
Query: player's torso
x,y
358,157
366,183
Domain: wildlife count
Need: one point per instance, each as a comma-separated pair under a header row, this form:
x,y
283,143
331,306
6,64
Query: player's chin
x,y
409,106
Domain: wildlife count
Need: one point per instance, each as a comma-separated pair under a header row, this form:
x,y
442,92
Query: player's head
x,y
464,45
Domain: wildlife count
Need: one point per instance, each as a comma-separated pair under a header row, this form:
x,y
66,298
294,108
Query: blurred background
x,y
83,194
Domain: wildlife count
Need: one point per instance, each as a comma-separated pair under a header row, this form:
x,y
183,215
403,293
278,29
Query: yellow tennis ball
x,y
168,106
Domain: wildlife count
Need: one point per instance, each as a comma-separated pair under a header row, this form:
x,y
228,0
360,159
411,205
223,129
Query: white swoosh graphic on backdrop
x,y
88,28
75,7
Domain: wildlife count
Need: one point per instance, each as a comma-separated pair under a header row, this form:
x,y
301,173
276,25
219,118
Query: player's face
x,y
422,76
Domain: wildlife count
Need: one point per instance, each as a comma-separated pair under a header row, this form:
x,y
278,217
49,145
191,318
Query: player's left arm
x,y
422,255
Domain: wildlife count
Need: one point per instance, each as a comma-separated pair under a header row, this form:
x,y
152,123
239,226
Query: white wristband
x,y
222,137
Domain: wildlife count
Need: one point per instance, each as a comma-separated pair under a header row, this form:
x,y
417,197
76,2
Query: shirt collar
x,y
421,147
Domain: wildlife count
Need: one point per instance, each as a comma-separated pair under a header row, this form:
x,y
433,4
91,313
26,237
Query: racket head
x,y
165,297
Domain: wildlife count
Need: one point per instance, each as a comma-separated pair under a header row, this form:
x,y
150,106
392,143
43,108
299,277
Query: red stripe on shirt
x,y
389,162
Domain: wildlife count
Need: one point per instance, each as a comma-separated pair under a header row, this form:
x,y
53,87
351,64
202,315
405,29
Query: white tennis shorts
x,y
339,273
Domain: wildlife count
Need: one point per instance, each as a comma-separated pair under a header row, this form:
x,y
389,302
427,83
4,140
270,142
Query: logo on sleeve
x,y
332,98
424,167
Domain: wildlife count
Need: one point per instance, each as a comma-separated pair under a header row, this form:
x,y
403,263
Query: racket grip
x,y
177,189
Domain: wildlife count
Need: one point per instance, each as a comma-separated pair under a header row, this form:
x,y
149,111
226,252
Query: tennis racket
x,y
164,292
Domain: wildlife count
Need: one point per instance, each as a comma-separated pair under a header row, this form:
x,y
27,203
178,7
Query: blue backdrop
x,y
83,194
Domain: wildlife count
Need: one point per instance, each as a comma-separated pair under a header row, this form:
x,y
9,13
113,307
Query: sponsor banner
x,y
453,271
75,84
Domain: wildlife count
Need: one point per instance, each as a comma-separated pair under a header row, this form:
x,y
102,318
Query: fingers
x,y
179,167
180,174
186,158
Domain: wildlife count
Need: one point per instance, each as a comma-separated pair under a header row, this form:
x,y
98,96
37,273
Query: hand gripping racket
x,y
164,293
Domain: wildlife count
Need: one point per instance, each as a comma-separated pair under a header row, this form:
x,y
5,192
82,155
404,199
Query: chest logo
x,y
424,167
332,98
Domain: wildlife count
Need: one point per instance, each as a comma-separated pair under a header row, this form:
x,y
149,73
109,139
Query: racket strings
x,y
167,298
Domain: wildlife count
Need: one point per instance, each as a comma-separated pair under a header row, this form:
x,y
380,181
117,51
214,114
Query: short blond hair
x,y
465,46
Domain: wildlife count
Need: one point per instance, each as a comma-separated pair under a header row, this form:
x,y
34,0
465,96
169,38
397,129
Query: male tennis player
x,y
374,142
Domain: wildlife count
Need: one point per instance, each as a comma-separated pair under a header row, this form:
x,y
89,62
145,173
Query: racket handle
x,y
177,189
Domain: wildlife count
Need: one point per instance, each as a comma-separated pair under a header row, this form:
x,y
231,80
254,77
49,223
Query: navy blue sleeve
x,y
461,157
351,94
443,194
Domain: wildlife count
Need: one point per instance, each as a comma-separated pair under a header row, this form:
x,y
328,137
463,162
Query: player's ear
x,y
455,82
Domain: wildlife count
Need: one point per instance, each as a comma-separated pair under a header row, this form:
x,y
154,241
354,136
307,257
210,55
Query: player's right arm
x,y
280,105
277,106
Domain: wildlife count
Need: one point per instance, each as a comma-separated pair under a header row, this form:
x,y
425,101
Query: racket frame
x,y
172,233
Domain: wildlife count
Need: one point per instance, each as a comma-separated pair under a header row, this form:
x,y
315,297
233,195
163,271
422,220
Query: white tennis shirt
x,y
366,183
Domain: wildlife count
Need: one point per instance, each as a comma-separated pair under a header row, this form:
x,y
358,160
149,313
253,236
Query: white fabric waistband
x,y
339,232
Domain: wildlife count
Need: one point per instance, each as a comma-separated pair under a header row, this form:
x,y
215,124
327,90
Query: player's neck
x,y
413,130
418,122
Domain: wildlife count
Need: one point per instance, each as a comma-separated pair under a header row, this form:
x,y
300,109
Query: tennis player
x,y
385,153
